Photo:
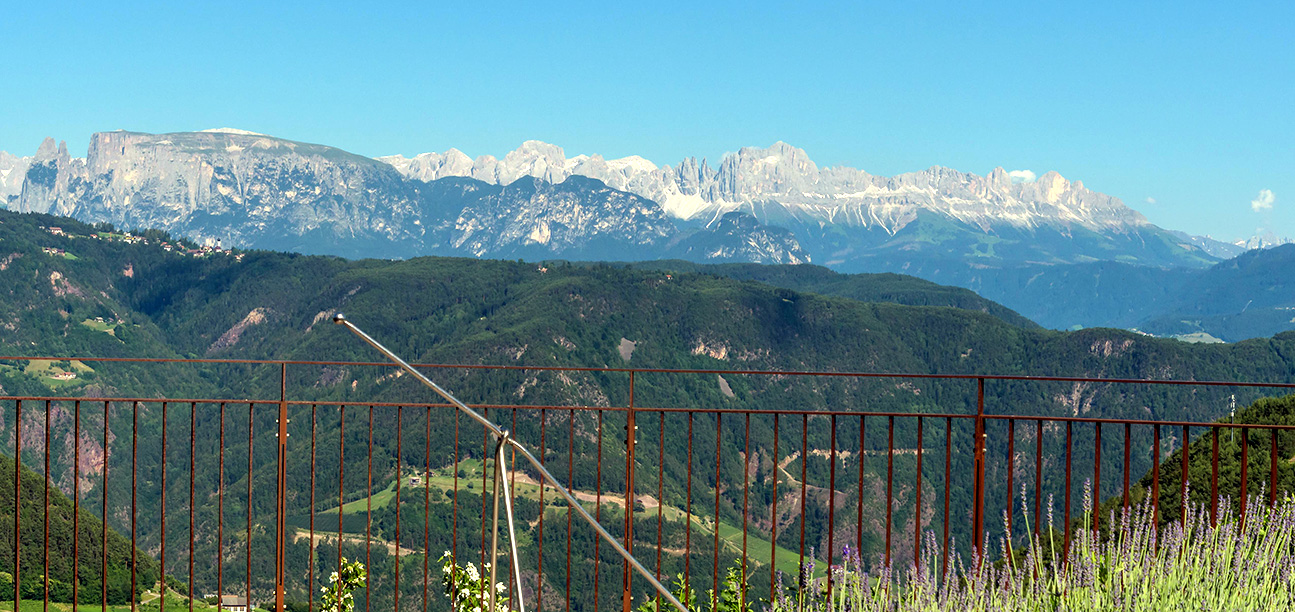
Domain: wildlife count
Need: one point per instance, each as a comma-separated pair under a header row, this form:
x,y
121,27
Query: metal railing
x,y
750,510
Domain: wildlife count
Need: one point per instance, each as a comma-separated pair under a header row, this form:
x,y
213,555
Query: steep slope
x,y
1200,472
89,570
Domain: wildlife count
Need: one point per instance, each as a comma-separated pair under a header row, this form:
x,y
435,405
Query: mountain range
x,y
1032,245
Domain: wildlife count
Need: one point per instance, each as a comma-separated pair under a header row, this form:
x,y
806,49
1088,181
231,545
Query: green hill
x,y
88,566
885,287
1266,411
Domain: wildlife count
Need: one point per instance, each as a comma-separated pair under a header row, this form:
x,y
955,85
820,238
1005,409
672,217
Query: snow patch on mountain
x,y
13,170
782,183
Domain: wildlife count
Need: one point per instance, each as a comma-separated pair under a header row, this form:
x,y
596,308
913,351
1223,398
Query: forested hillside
x,y
1200,475
107,296
90,572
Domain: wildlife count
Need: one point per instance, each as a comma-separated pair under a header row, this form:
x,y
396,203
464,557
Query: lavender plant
x,y
1239,563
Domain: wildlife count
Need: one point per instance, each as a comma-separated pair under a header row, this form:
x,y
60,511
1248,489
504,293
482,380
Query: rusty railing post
x,y
627,598
280,527
978,511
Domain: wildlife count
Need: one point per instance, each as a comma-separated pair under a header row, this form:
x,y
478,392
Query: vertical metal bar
x,y
948,485
1186,455
76,500
251,428
400,458
831,502
890,478
1065,543
485,454
1155,479
1011,467
427,505
1272,468
45,443
715,525
1038,477
512,487
368,513
220,515
1097,473
917,505
746,490
193,428
773,513
598,508
571,445
687,529
134,465
626,599
161,570
341,477
310,553
17,504
281,504
103,520
1127,444
858,519
660,506
804,459
977,512
1214,480
539,543
454,511
1245,461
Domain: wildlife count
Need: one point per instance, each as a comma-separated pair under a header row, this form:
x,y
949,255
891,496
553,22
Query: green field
x,y
45,371
443,479
101,326
173,604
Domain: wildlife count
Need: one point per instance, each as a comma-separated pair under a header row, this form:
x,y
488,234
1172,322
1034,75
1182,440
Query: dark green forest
x,y
93,577
106,298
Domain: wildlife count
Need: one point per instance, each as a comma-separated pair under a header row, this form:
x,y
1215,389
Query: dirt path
x,y
300,535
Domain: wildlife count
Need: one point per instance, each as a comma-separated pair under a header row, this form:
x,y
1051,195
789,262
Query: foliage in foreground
x,y
340,597
1242,563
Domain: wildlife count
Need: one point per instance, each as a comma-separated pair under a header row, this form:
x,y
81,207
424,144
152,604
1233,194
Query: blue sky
x,y
1183,110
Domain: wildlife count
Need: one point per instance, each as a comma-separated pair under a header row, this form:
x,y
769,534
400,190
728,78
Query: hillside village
x,y
170,246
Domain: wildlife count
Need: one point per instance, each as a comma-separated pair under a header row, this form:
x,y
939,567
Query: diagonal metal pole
x,y
504,438
501,481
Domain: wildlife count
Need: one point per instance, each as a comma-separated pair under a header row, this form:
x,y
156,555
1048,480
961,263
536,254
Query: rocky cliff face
x,y
234,187
782,181
251,190
13,170
849,218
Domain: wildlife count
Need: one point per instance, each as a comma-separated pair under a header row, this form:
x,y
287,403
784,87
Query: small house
x,y
233,603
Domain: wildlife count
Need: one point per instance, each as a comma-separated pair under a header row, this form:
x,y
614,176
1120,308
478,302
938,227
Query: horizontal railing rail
x,y
785,485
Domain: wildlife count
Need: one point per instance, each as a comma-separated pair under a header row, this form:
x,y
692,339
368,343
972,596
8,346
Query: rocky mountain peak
x,y
13,170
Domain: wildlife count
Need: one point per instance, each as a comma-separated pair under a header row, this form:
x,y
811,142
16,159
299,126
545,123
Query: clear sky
x,y
1184,110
